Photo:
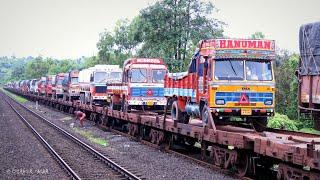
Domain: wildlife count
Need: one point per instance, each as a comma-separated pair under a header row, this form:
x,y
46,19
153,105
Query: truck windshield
x,y
158,75
100,77
138,75
59,82
229,70
74,80
115,76
258,70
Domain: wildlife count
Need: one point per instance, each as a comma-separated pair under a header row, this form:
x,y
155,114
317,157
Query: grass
x,y
15,97
90,137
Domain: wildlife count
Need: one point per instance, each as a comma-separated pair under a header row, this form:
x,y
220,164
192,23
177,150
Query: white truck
x,y
93,83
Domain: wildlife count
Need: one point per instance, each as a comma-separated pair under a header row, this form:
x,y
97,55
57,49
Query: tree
x,y
287,87
168,29
36,68
171,28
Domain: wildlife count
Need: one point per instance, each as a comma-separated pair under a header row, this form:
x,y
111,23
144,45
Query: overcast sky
x,y
70,28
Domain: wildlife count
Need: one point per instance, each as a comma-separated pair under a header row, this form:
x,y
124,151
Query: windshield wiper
x,y
233,68
142,74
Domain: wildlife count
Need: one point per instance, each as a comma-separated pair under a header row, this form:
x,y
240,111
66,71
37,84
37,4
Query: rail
x,y
108,161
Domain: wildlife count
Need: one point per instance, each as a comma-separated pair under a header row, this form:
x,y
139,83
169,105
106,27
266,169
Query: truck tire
x,y
176,114
260,123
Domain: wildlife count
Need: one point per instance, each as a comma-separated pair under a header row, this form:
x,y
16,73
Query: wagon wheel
x,y
242,164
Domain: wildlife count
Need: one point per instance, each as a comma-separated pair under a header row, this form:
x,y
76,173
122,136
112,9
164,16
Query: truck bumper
x,y
242,112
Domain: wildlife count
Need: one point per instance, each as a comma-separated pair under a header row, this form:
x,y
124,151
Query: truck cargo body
x,y
309,71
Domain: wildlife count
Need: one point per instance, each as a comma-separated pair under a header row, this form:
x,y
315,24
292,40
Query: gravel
x,y
22,156
146,161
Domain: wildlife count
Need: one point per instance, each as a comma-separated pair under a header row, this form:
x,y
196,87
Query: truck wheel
x,y
260,123
176,114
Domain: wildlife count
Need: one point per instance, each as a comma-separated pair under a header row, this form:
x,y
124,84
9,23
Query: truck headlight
x,y
268,102
220,102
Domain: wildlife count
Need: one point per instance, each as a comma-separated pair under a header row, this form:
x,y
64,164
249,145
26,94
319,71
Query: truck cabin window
x,y
100,77
115,75
229,70
258,70
59,82
158,75
138,75
74,80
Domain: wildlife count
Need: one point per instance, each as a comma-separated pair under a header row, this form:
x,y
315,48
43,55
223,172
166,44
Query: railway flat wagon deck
x,y
294,155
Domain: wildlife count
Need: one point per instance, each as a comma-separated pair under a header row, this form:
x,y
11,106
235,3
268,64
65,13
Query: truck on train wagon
x,y
41,86
229,78
33,86
70,86
93,83
50,79
309,71
57,91
142,85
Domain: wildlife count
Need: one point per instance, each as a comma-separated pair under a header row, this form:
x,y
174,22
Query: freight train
x,y
226,78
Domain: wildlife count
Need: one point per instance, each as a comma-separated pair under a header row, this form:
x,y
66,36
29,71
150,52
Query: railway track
x,y
275,153
79,159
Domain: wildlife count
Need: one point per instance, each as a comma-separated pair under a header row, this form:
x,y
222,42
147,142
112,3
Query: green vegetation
x,y
282,121
168,29
309,130
90,137
15,97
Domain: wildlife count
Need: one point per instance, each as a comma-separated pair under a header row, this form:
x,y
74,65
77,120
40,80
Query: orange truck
x,y
227,78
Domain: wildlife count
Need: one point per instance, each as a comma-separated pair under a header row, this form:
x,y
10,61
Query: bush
x,y
282,121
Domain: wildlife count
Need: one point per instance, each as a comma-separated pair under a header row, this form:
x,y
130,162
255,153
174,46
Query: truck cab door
x,y
202,72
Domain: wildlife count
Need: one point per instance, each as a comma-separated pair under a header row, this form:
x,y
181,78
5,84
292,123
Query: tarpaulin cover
x,y
309,44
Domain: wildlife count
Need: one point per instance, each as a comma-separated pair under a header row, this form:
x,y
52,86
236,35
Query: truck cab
x,y
41,86
57,90
229,78
49,85
71,88
142,85
93,84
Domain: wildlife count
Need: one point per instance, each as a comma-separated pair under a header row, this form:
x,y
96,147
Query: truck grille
x,y
101,89
147,91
